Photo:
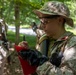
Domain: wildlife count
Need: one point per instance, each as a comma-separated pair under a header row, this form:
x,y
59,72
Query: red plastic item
x,y
27,68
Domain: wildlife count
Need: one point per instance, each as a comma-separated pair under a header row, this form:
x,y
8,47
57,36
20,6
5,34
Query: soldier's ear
x,y
60,19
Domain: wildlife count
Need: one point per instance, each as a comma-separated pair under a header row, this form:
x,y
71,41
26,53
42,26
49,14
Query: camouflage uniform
x,y
67,66
68,61
3,56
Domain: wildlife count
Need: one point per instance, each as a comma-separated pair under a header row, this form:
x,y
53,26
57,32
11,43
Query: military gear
x,y
44,44
55,8
68,61
26,67
34,57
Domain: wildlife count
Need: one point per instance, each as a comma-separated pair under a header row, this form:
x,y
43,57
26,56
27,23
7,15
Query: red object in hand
x,y
27,68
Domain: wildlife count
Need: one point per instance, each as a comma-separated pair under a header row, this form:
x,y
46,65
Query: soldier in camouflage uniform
x,y
62,44
49,19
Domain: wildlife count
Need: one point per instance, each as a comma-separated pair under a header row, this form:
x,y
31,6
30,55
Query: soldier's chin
x,y
48,33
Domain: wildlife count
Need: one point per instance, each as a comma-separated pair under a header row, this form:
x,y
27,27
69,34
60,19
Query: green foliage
x,y
72,6
26,9
30,39
26,14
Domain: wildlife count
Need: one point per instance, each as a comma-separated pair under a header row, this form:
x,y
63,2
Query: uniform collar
x,y
64,36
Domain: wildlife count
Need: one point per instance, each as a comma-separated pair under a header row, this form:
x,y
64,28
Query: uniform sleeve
x,y
70,50
69,59
44,69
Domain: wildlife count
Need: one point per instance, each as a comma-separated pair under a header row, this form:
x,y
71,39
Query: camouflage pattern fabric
x,y
3,58
68,65
55,8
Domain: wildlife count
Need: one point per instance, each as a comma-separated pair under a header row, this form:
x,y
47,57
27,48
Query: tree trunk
x,y
17,22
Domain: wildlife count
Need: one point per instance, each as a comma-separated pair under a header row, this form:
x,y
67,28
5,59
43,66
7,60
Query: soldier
x,y
61,51
3,55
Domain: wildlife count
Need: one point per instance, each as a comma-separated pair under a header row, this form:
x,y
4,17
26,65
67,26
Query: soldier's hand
x,y
24,44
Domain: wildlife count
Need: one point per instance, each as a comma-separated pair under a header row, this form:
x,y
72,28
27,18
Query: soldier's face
x,y
50,26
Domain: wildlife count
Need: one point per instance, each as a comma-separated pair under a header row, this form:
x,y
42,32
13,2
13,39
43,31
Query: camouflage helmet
x,y
55,8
